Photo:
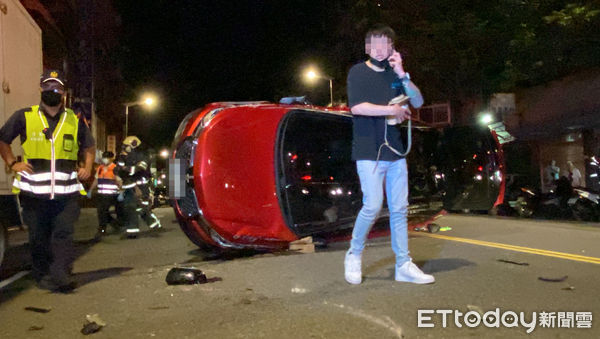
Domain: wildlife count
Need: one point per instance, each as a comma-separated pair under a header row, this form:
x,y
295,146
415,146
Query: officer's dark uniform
x,y
132,168
49,195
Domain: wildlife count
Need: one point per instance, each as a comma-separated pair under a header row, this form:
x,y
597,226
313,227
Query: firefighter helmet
x,y
132,141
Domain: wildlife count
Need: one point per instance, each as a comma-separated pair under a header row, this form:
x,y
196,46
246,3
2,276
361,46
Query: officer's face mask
x,y
51,97
105,161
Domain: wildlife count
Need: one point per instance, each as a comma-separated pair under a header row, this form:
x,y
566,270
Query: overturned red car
x,y
261,175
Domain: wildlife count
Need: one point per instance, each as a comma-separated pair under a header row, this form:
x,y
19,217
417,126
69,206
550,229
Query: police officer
x,y
48,178
108,184
134,171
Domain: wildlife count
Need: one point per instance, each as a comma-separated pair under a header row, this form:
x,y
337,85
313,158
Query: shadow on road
x,y
200,255
443,264
83,278
428,266
18,258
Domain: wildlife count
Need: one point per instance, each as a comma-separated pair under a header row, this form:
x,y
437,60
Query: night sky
x,y
193,52
196,52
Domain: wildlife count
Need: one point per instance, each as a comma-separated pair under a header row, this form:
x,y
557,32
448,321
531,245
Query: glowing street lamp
x,y
147,100
486,118
312,74
164,153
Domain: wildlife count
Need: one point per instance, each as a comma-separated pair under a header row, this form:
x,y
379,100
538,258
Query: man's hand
x,y
401,113
22,167
83,173
395,61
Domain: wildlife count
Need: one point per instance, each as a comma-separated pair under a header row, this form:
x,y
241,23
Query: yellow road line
x,y
537,251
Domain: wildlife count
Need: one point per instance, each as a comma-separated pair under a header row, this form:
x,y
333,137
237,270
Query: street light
x,y
311,74
486,118
164,153
148,101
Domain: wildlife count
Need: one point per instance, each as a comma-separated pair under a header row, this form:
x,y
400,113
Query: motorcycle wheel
x,y
583,212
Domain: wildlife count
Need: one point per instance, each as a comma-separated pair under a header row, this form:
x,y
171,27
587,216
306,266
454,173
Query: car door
x,y
318,185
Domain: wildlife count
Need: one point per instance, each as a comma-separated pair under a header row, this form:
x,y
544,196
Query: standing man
x,y
376,148
108,184
48,178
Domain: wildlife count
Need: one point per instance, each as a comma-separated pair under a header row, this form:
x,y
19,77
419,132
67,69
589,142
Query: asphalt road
x,y
292,295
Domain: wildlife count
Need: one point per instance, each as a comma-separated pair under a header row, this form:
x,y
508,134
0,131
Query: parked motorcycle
x,y
565,202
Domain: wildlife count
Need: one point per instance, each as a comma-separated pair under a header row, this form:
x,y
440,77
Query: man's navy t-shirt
x,y
367,85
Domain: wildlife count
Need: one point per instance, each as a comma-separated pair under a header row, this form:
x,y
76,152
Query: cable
x,y
387,144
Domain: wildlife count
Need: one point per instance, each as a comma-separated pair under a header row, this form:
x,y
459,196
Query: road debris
x,y
90,328
92,324
553,279
35,328
568,288
513,262
38,309
299,290
304,245
185,276
431,228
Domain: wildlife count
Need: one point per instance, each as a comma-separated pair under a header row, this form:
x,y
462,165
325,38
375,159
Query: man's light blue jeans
x,y
372,178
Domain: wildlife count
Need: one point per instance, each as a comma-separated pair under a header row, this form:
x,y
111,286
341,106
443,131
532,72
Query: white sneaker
x,y
409,272
352,268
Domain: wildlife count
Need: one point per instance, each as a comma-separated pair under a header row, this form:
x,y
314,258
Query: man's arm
x,y
14,126
413,92
410,89
9,158
89,155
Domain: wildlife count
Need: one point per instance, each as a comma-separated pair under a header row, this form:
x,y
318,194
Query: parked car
x,y
261,175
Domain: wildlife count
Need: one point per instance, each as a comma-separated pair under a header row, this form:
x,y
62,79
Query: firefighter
x,y
108,184
47,178
133,169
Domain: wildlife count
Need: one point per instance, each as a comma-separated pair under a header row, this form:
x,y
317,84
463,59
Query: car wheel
x,y
3,242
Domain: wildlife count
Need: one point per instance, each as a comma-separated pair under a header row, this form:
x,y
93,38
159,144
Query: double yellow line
x,y
562,255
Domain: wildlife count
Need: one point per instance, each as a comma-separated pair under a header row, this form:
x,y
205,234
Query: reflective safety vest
x,y
54,161
107,182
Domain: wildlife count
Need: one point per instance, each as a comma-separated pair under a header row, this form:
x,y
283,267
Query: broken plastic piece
x,y
433,228
90,328
92,324
95,318
185,276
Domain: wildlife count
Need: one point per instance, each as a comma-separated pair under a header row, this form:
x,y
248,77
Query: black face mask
x,y
51,98
381,64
